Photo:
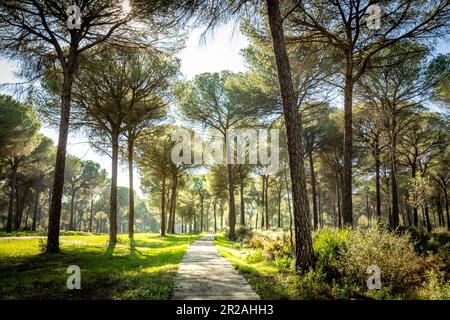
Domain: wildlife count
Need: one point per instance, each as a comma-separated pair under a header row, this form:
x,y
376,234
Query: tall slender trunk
x,y
113,195
163,206
37,200
427,218
241,193
72,209
20,205
446,208
54,217
303,241
215,215
313,190
289,208
394,188
130,185
338,198
232,207
378,187
91,214
266,206
172,209
221,215
347,207
279,207
12,190
202,209
263,196
27,216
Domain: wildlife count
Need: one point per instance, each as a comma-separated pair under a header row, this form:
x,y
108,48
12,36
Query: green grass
x,y
43,233
144,269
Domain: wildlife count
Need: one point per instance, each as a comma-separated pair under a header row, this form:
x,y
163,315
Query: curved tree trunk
x,y
303,243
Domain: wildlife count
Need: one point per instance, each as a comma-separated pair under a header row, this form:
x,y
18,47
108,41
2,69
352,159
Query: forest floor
x,y
142,269
205,275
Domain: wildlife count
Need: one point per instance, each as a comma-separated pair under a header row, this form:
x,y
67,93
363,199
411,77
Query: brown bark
x,y
303,241
232,207
54,216
163,206
394,188
113,195
378,188
215,216
347,207
241,193
130,187
37,200
313,191
12,190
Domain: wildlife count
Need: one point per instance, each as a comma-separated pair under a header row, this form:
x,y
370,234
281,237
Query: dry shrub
x,y
392,253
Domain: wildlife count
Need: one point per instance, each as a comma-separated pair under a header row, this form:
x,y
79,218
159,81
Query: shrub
x,y
242,233
255,257
435,287
273,243
329,245
283,263
392,253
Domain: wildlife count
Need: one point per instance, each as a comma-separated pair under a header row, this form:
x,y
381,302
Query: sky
x,y
220,51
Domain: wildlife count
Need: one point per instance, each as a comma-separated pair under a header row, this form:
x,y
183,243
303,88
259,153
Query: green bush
x,y
329,245
283,263
273,243
255,257
392,253
435,287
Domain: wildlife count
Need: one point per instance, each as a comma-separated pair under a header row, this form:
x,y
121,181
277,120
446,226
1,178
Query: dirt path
x,y
205,275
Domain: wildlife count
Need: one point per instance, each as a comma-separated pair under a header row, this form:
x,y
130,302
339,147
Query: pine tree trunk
x,y
347,207
427,218
446,208
394,189
113,195
37,200
303,241
163,206
215,216
12,190
241,192
378,188
130,186
232,207
313,190
263,196
202,208
54,217
266,206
